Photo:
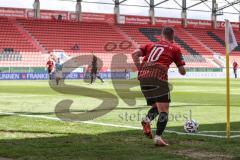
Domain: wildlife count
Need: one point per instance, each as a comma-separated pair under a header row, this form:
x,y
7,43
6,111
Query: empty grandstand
x,y
29,41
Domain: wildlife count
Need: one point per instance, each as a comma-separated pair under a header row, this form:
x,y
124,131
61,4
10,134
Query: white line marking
x,y
123,126
22,96
235,136
217,131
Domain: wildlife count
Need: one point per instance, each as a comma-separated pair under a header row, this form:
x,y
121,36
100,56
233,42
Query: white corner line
x,y
124,126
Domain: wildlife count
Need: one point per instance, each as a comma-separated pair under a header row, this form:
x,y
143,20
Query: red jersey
x,y
157,57
235,65
50,64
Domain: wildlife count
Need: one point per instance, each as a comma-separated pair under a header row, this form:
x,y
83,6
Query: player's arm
x,y
136,57
182,70
179,61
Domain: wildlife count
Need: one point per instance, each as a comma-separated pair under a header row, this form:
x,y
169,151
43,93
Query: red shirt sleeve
x,y
178,58
144,49
235,65
50,63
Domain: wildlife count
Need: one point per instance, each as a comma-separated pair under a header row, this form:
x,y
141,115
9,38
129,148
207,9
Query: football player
x,y
235,67
58,71
94,70
157,57
50,67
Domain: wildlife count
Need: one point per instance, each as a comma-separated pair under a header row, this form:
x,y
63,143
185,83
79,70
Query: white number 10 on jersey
x,y
155,54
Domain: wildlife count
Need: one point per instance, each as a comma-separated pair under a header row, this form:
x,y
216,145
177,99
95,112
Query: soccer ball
x,y
191,126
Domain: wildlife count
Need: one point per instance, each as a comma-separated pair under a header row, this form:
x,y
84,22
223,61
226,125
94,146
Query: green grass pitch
x,y
29,128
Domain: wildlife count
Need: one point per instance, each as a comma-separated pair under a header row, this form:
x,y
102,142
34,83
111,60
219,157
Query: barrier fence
x,y
108,75
66,75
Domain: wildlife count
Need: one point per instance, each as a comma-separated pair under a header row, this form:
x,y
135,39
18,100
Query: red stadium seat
x,y
31,37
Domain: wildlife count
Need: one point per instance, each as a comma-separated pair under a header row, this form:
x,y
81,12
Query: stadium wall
x,y
72,75
199,75
110,18
108,75
193,75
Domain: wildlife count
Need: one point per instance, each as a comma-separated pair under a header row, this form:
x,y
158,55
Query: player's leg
x,y
94,77
155,92
49,74
91,78
163,109
57,77
60,76
52,74
57,80
235,73
162,103
152,113
100,78
146,122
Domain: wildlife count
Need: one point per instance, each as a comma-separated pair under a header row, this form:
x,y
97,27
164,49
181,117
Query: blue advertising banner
x,y
72,75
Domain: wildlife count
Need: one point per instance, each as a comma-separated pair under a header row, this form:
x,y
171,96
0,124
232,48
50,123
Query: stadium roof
x,y
170,8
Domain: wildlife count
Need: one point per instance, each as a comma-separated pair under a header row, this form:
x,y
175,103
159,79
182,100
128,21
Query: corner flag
x,y
230,39
231,43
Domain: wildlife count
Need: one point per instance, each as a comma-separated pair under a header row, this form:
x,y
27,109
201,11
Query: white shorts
x,y
58,74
